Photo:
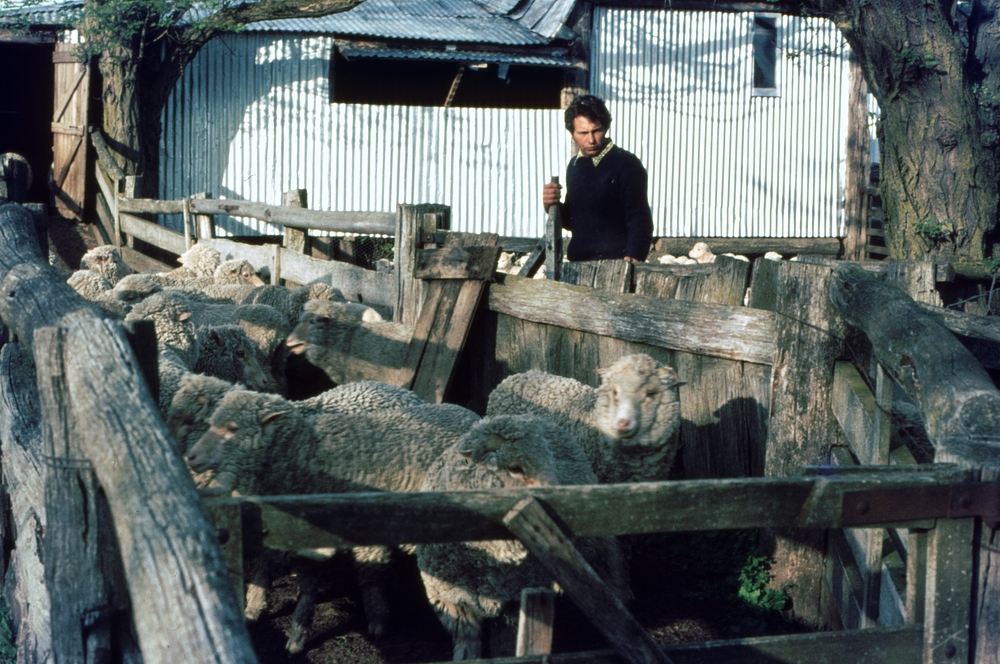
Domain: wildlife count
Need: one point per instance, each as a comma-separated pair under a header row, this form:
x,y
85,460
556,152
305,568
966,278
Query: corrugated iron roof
x,y
53,13
436,20
354,50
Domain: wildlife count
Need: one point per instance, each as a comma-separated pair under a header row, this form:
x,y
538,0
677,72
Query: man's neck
x,y
600,155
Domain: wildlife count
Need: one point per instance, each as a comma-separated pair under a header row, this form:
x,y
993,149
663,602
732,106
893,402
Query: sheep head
x,y
237,271
241,434
514,448
193,404
638,403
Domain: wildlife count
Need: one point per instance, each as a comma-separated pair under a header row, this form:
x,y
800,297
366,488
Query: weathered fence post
x,y
802,426
185,608
79,594
204,223
411,222
295,239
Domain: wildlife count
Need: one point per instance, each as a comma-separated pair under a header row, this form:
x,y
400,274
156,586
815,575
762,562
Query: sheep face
x,y
193,404
237,443
106,261
514,449
247,368
637,402
136,287
237,272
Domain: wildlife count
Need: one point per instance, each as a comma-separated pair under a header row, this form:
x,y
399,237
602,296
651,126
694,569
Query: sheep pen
x,y
684,582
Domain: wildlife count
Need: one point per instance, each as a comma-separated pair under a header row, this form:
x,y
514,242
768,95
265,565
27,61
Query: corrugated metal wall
x,y
721,162
251,119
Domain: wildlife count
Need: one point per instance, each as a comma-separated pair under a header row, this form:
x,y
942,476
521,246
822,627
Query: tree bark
x,y
939,179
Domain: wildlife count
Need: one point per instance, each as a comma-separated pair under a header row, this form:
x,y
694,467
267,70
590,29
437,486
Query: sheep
x,y
626,426
265,445
89,284
292,302
505,262
739,257
347,343
95,288
667,259
177,343
470,582
227,352
135,288
701,253
199,260
264,325
107,262
773,256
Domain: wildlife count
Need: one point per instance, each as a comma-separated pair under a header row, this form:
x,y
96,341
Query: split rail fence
x,y
900,554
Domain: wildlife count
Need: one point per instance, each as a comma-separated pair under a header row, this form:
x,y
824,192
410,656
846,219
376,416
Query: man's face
x,y
588,136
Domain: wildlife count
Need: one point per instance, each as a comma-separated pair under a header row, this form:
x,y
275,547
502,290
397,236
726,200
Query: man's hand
x,y
629,259
551,194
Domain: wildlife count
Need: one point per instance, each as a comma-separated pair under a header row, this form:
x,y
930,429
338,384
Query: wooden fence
x,y
765,396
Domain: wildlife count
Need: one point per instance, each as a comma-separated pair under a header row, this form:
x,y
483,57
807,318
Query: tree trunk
x,y
939,182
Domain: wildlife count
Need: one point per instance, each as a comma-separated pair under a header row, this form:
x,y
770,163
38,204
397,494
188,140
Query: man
x,y
606,207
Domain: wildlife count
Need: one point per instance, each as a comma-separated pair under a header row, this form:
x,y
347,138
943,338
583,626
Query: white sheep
x,y
701,253
95,288
200,260
348,343
265,326
627,426
667,259
470,582
107,262
176,340
773,256
739,257
289,301
265,445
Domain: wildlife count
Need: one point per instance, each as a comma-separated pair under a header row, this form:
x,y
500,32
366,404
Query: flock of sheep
x,y
223,337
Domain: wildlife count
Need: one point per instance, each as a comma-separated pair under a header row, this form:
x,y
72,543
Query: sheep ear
x,y
184,316
669,377
269,417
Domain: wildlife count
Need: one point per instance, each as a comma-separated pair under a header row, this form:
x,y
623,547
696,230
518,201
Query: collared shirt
x,y
598,157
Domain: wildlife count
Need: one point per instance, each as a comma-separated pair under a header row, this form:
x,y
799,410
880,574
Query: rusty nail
x,y
950,650
864,507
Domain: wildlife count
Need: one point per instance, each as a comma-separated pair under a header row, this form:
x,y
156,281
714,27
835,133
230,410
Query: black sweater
x,y
606,208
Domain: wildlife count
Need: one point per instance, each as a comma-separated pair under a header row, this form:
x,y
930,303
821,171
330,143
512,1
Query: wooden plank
x,y
864,422
519,245
161,525
916,577
147,231
150,206
724,403
878,251
71,104
444,322
949,589
140,262
735,333
544,538
535,621
612,276
893,645
296,522
892,597
356,283
362,223
534,261
474,262
845,580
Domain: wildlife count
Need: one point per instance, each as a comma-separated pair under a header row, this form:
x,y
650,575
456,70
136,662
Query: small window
x,y
765,46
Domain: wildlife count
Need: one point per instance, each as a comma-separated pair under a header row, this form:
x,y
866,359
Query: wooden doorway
x,y
69,132
26,109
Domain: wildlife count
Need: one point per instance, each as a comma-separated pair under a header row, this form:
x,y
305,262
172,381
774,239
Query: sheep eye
x,y
232,427
516,471
651,393
240,354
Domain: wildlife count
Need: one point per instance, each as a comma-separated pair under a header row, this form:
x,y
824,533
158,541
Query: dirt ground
x,y
685,585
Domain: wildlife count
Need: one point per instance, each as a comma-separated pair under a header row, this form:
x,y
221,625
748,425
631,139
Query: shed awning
x,y
354,49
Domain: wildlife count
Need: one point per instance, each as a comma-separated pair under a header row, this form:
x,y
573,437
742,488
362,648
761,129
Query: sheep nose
x,y
623,424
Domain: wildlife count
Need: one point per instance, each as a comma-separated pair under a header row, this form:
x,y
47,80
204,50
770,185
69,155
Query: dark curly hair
x,y
590,107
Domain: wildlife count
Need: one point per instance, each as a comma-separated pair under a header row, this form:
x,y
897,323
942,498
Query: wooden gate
x,y
69,123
